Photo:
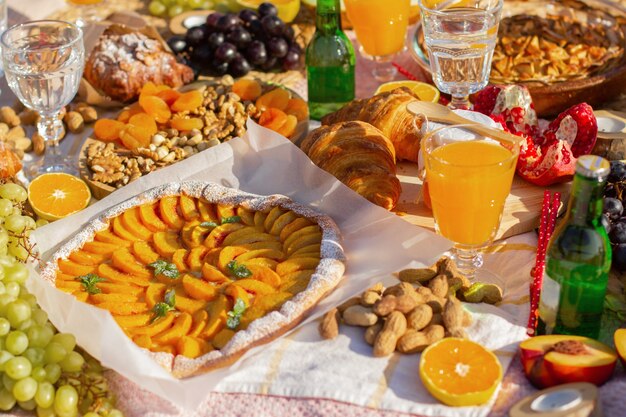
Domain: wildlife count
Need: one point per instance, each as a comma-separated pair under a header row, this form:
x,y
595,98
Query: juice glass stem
x,y
459,102
50,128
468,260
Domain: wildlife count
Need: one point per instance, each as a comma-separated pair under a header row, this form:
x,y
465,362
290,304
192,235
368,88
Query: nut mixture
x,y
408,317
556,48
224,115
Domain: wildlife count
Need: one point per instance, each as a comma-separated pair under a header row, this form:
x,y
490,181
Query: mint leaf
x,y
208,224
89,281
237,270
162,308
231,219
234,316
167,269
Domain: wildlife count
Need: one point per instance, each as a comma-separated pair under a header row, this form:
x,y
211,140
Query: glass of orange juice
x,y
381,27
86,10
469,178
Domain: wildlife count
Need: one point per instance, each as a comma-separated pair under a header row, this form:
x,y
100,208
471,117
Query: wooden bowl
x,y
553,98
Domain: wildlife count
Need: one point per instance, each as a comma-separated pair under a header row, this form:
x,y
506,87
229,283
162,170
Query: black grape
x,y
248,15
239,37
195,35
219,68
225,52
238,67
215,39
613,207
277,47
256,53
212,19
288,33
272,25
267,9
291,60
177,43
228,22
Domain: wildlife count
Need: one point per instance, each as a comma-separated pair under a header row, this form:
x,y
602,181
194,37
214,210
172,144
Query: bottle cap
x,y
593,166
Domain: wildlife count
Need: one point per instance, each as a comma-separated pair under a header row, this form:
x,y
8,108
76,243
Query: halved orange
x,y
57,195
459,372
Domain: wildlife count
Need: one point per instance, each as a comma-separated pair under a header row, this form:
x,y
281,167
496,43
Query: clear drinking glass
x,y
381,28
460,38
469,178
43,61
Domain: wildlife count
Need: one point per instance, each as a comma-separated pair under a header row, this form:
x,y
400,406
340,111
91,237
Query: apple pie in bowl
x,y
198,274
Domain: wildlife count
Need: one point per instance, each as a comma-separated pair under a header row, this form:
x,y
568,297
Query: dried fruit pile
x,y
546,156
553,49
412,315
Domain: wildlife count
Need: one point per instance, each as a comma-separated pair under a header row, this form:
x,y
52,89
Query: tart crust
x,y
327,276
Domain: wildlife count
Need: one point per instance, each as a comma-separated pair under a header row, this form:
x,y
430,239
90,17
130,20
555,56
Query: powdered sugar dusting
x,y
326,277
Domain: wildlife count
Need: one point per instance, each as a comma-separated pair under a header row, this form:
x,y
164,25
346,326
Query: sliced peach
x,y
200,318
261,253
225,211
272,301
247,89
272,244
141,340
124,308
240,234
218,234
188,207
179,259
166,243
237,292
107,236
259,218
208,212
122,231
100,248
187,231
222,338
195,259
293,227
132,222
69,286
164,348
199,235
212,274
558,359
296,282
108,130
271,217
74,269
264,274
168,208
136,320
180,328
296,264
144,253
298,108
212,256
150,219
108,272
188,305
302,241
253,238
86,258
113,297
191,347
155,293
81,295
247,216
228,254
299,233
124,260
310,251
267,262
157,326
155,107
113,287
199,289
190,100
254,286
277,98
620,344
218,310
281,222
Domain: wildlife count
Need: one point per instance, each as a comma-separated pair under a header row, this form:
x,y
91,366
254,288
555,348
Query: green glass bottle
x,y
329,62
578,258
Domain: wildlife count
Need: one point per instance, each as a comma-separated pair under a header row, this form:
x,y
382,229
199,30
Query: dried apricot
x,y
187,124
108,130
298,108
188,101
155,107
129,112
247,89
277,98
168,96
273,119
134,137
151,89
289,127
145,122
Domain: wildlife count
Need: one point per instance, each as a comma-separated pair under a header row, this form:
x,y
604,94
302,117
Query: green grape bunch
x,y
171,8
41,370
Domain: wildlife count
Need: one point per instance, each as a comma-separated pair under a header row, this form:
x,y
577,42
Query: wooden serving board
x,y
522,209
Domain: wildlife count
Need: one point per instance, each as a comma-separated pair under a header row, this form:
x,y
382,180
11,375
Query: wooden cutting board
x,y
522,209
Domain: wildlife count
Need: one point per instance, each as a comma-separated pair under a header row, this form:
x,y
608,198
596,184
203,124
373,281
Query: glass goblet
x,y
469,178
460,38
381,28
43,61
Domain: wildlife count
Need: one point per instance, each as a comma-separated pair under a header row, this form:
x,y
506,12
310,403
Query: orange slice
x,y
459,372
57,195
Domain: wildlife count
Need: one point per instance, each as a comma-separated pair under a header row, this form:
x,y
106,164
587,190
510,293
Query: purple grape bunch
x,y
236,43
613,213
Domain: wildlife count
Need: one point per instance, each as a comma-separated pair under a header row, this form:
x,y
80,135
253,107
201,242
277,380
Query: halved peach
x,y
558,359
168,208
107,236
188,207
132,222
620,344
144,253
149,217
218,234
166,243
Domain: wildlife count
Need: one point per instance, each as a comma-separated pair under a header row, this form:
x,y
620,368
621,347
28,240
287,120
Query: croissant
x,y
387,112
358,155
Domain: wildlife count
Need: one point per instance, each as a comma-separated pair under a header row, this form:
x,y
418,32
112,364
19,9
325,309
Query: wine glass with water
x,y
460,38
43,62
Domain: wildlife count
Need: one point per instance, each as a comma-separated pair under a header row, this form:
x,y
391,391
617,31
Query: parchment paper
x,y
376,242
